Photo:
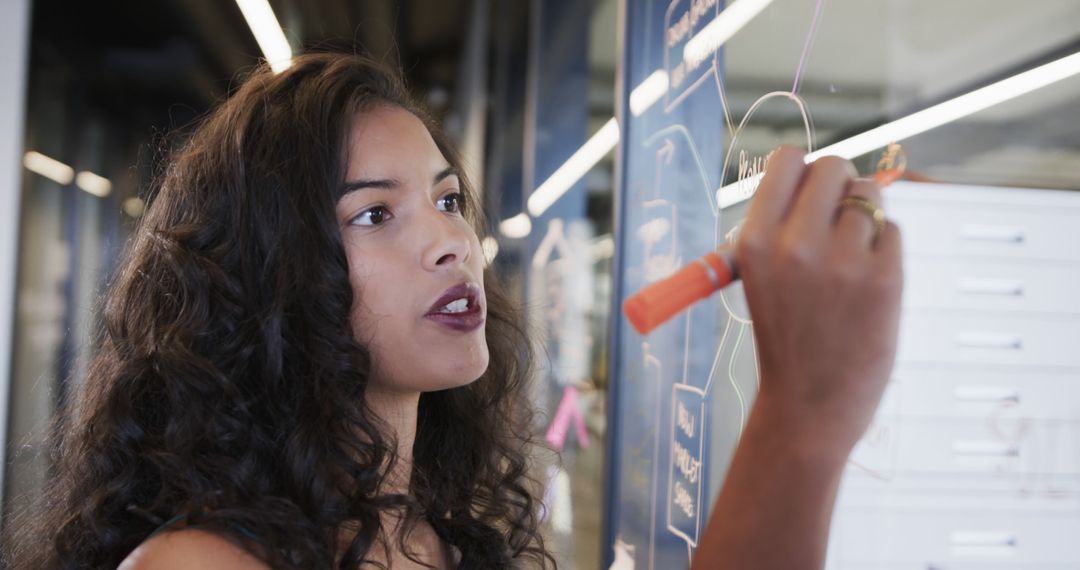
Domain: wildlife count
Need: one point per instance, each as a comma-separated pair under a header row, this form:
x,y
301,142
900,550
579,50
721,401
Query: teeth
x,y
458,306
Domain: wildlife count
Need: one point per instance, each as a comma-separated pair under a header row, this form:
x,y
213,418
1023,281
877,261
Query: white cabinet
x,y
973,460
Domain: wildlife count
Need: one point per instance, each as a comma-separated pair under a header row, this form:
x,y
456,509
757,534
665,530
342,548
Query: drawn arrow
x,y
668,150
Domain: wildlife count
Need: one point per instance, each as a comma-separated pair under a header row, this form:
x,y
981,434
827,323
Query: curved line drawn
x,y
661,216
683,472
681,130
757,370
658,228
718,201
658,265
733,193
675,37
716,359
738,183
729,194
818,7
734,383
661,264
728,123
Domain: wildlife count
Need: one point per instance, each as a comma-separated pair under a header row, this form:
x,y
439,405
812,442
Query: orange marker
x,y
655,304
887,177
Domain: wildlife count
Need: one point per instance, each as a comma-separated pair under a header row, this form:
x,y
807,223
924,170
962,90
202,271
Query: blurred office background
x,y
94,94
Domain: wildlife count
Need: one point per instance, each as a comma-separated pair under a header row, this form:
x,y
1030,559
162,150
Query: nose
x,y
446,244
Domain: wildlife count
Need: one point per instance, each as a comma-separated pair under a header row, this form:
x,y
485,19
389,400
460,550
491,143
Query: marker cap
x,y
655,304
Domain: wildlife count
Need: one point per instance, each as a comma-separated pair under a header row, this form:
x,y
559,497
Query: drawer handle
x,y
1007,287
984,232
989,340
986,394
985,448
983,544
982,538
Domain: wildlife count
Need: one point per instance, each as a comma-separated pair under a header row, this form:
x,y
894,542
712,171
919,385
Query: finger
x,y
887,249
889,269
822,187
854,227
774,194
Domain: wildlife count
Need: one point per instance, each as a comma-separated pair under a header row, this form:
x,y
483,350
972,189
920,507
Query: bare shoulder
x,y
190,548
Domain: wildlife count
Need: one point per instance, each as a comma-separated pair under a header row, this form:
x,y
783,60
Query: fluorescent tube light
x,y
648,92
720,30
268,33
934,116
516,227
699,47
953,109
702,45
574,168
97,185
48,167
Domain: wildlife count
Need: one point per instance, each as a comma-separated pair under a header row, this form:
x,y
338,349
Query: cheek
x,y
372,283
476,258
369,317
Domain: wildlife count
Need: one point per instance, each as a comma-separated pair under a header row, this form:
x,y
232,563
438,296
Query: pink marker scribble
x,y
568,411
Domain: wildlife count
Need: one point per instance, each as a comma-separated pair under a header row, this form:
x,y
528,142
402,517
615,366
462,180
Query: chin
x,y
459,366
449,385
434,374
418,361
460,377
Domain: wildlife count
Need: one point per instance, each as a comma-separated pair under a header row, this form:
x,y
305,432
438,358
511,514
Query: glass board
x,y
973,460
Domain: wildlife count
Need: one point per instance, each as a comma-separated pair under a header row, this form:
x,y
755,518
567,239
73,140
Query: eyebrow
x,y
392,183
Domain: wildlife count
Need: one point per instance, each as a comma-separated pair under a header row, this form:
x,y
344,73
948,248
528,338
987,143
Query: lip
x,y
466,321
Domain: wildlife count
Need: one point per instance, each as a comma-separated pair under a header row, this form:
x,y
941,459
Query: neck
x,y
398,411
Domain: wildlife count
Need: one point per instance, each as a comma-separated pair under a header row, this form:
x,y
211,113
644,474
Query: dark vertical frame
x,y
611,450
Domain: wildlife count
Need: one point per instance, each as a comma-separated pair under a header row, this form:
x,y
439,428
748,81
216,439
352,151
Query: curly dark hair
x,y
229,386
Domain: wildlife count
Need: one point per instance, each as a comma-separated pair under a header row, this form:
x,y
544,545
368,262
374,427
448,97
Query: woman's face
x,y
415,263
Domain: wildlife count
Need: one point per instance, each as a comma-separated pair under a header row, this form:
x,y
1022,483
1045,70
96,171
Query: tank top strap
x,y
165,525
183,517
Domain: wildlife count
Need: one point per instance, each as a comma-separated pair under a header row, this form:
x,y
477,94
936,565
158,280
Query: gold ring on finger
x,y
869,208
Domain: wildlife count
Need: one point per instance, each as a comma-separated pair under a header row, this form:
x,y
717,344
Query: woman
x,y
304,363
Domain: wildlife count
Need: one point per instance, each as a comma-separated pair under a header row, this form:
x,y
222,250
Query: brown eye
x,y
453,203
371,217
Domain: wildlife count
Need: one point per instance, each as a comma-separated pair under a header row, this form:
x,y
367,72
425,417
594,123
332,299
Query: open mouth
x,y
454,307
458,308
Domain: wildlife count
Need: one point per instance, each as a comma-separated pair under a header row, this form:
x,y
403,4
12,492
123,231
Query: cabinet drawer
x,y
928,336
943,219
972,283
994,447
975,393
930,538
1004,451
